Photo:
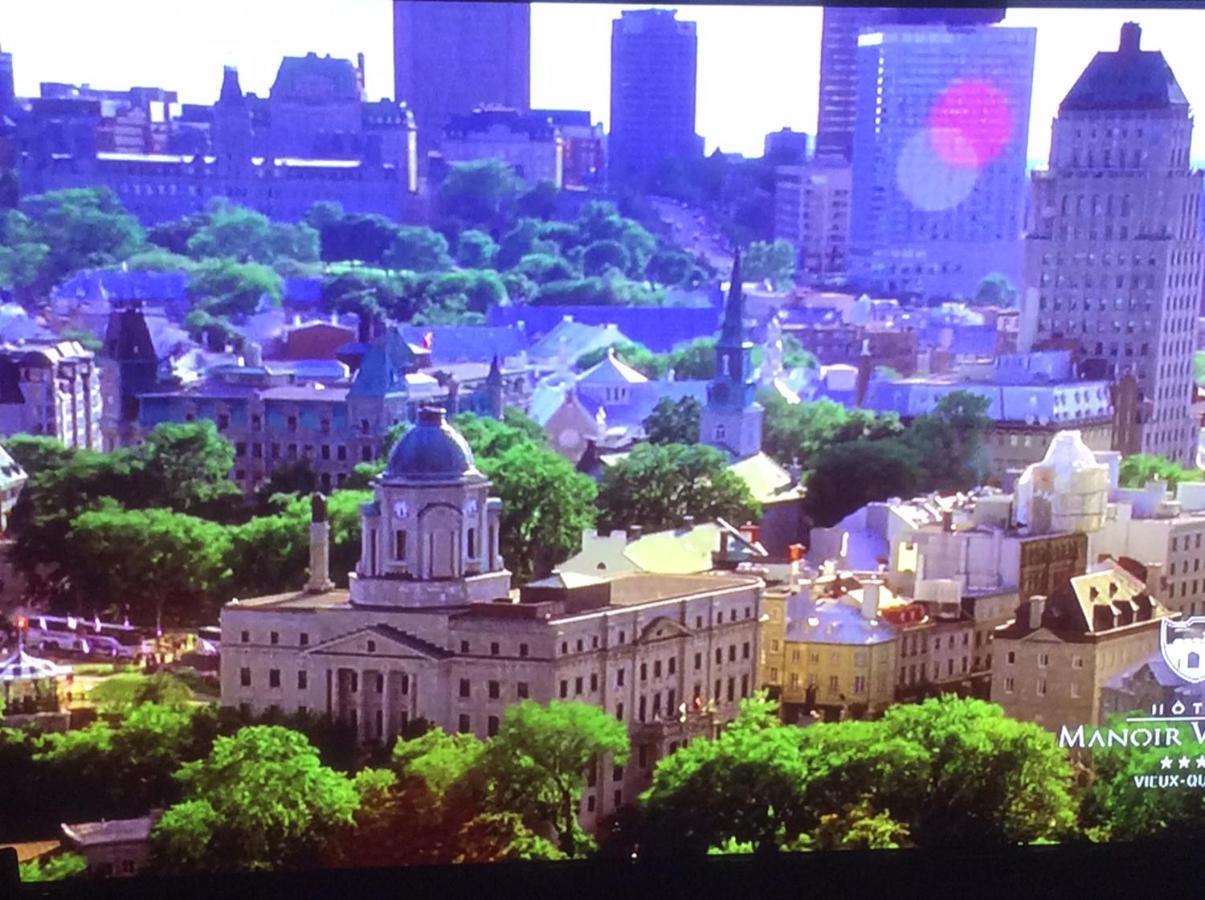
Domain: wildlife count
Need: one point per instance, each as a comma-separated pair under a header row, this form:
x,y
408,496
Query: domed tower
x,y
430,536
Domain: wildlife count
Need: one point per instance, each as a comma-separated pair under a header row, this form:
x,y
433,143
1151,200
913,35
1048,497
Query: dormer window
x,y
721,433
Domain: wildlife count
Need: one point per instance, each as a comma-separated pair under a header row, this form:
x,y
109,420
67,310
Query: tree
x,y
673,268
185,467
261,800
418,249
774,263
480,289
363,238
544,267
369,292
229,288
745,786
674,422
84,228
996,290
694,361
163,566
323,214
298,478
1141,468
546,504
540,202
475,250
537,761
798,432
491,438
159,260
59,867
268,554
233,232
849,475
795,357
502,837
657,485
951,442
603,255
174,235
520,240
482,193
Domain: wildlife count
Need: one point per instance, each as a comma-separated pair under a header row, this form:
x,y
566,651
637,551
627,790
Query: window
x,y
495,648
580,645
859,684
622,637
1077,662
464,646
522,691
492,726
472,542
246,637
372,646
619,677
1012,657
594,682
1043,660
1041,687
731,689
494,690
719,686
302,681
656,668
577,686
466,724
244,676
564,647
590,803
274,678
305,639
465,688
642,709
745,650
698,661
564,689
719,655
399,544
644,672
523,650
744,685
619,711
833,683
672,665
617,773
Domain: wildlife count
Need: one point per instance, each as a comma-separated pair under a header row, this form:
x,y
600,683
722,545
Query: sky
x,y
758,67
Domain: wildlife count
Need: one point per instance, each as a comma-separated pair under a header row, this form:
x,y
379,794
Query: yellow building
x,y
837,657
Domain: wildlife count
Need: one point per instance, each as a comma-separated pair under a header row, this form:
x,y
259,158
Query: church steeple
x,y
732,418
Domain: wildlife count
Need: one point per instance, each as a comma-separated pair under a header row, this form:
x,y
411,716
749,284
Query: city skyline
x,y
570,55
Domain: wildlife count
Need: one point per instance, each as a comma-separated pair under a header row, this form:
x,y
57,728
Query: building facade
x,y
449,58
938,195
531,145
53,388
430,629
583,146
811,212
654,60
314,138
1112,251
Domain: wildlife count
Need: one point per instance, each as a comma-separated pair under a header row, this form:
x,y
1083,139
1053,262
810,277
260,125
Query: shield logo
x,y
1183,647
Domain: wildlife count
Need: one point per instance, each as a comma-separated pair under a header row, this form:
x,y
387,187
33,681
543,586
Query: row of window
x,y
495,648
1010,686
1077,661
913,673
493,689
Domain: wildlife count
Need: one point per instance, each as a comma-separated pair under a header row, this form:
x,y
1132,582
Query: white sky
x,y
758,67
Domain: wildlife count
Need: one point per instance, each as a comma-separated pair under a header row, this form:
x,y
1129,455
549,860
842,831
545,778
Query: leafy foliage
x,y
845,477
1140,468
772,262
59,867
657,485
674,422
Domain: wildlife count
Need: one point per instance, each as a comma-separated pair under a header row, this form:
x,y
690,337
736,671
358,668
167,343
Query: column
x,y
387,706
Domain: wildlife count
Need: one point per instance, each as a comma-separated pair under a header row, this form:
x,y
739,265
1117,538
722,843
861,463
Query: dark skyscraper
x,y
6,81
451,57
654,58
838,62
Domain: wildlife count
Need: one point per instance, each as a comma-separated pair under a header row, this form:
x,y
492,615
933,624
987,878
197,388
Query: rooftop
x,y
1128,78
114,831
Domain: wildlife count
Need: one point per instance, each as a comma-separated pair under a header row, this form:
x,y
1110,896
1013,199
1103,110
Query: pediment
x,y
379,641
662,629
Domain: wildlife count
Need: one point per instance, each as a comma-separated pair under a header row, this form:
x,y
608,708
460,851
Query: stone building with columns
x,y
430,628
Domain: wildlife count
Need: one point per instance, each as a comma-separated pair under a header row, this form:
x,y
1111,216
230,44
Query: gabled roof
x,y
383,370
611,370
113,831
315,78
767,481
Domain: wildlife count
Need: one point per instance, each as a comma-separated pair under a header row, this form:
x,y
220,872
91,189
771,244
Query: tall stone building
x,y
654,62
429,628
449,58
1112,252
51,387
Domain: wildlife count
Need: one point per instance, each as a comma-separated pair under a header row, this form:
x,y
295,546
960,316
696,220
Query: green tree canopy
x,y
482,194
84,228
694,361
996,290
772,262
1140,468
475,250
491,438
222,287
845,477
261,800
546,504
674,422
638,356
798,432
542,268
417,249
603,255
657,485
951,442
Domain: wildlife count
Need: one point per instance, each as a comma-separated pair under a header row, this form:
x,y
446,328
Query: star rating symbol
x,y
1201,762
1184,762
1166,762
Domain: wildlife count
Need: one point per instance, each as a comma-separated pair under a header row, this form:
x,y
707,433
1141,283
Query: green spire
x,y
733,330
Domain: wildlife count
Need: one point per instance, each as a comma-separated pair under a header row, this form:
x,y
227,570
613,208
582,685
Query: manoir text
x,y
1139,735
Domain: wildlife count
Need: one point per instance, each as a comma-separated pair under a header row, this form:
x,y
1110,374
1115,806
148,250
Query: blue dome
x,y
431,451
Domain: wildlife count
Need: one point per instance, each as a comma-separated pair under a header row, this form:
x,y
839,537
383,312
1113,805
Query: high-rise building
x,y
1112,250
654,58
838,62
939,156
449,58
7,90
811,212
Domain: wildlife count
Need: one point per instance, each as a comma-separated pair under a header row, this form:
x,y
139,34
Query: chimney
x,y
296,319
947,520
635,533
1034,610
1131,39
320,547
1154,580
870,598
688,522
253,355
